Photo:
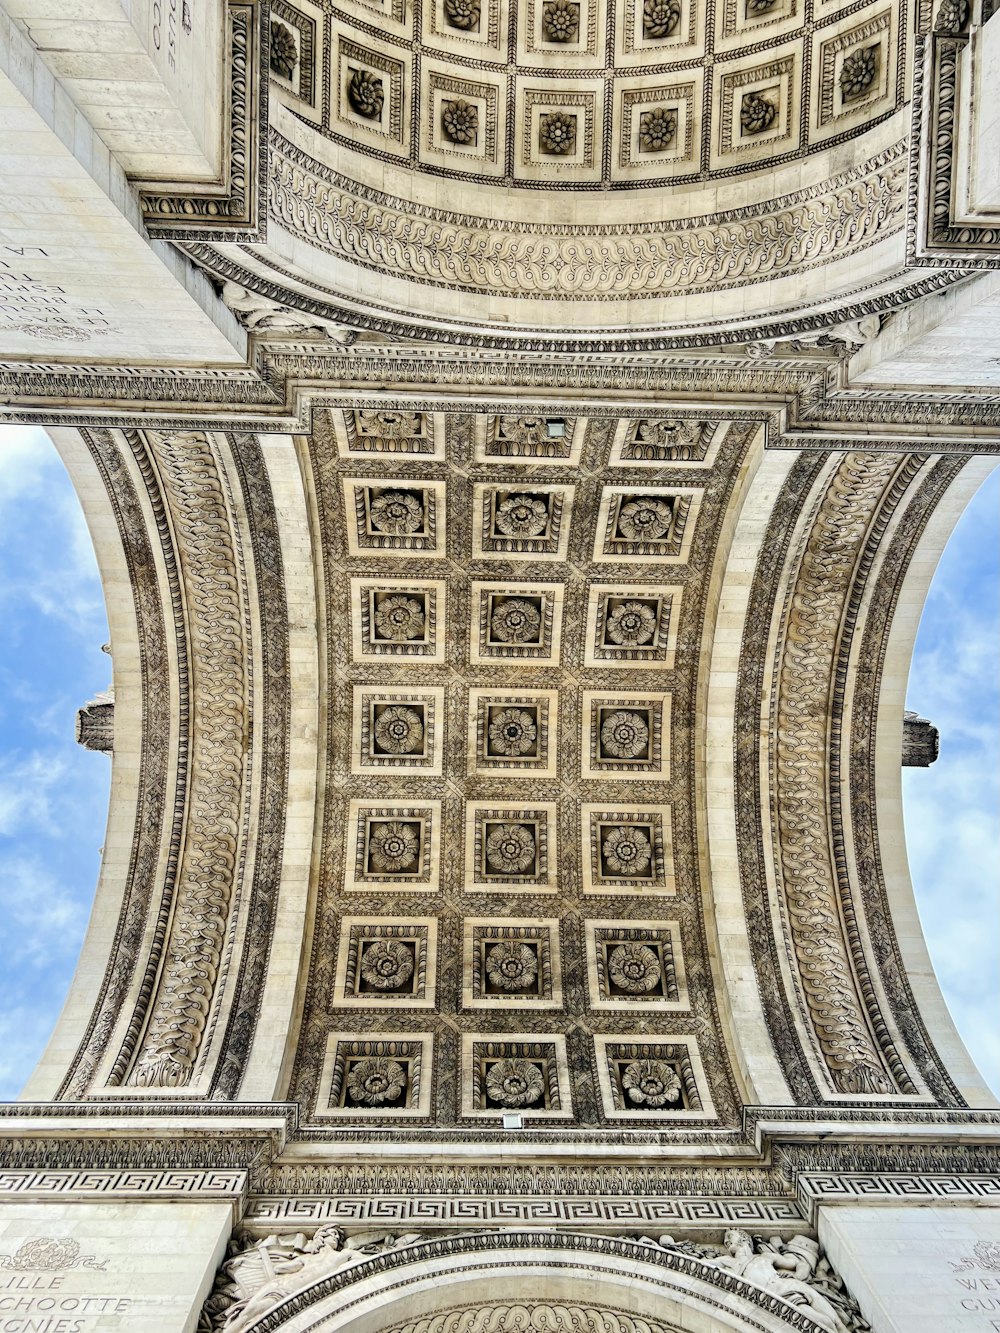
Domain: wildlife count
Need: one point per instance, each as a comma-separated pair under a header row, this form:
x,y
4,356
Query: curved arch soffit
x,y
563,1282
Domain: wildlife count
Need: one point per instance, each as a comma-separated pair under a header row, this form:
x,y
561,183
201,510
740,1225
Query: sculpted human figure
x,y
783,1271
268,1271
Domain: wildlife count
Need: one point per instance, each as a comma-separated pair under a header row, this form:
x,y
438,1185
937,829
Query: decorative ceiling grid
x,y
509,913
589,94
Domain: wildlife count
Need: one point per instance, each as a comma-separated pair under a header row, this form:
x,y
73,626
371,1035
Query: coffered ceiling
x,y
511,897
586,94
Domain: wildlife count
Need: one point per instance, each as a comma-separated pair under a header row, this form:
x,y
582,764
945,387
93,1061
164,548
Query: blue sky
x,y
54,794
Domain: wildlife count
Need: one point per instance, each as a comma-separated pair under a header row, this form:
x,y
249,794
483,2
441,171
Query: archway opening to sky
x,y
53,793
952,809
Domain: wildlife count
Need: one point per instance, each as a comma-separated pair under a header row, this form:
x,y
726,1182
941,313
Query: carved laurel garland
x,y
798,232
547,1318
193,489
800,805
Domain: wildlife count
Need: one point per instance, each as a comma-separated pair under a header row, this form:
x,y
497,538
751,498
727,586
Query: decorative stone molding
x,y
259,314
390,235
183,982
196,496
936,234
263,1282
824,962
233,208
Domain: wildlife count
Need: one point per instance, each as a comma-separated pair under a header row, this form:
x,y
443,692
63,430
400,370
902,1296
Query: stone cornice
x,y
805,392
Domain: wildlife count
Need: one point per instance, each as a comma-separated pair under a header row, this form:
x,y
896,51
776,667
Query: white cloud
x,y
26,457
29,788
46,556
44,917
24,1031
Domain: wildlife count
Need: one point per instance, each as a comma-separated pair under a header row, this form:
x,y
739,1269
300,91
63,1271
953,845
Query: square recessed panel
x,y
627,849
854,73
636,966
674,442
386,1076
398,730
626,736
529,1076
386,963
632,625
646,523
513,732
398,618
757,108
464,118
393,847
558,33
744,21
511,964
659,127
524,522
370,95
651,32
559,130
555,441
395,516
653,1080
372,433
467,25
510,847
515,622
295,31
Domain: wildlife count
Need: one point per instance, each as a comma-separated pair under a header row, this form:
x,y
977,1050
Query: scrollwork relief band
x,y
814,610
195,492
755,244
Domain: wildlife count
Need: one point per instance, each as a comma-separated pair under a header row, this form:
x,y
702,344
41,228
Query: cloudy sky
x,y
54,795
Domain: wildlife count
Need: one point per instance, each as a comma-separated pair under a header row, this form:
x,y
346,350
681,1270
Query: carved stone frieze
x,y
789,1278
815,605
814,227
196,496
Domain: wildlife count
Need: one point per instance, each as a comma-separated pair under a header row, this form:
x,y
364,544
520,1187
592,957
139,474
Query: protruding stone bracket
x,y
921,741
95,723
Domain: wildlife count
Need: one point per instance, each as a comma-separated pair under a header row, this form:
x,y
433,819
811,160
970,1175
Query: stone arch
x,y
532,1282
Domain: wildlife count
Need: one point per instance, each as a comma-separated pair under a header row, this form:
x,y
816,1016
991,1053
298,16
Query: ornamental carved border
x,y
149,605
199,900
431,246
720,1287
289,379
824,962
854,753
832,931
235,208
933,237
211,859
